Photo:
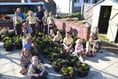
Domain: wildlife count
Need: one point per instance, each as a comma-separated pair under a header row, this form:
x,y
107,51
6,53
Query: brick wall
x,y
81,31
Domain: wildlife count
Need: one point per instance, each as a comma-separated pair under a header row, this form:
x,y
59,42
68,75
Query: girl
x,y
25,60
79,50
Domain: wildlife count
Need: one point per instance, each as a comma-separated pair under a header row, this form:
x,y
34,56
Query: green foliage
x,y
73,59
8,42
72,15
67,71
59,62
82,66
17,40
53,55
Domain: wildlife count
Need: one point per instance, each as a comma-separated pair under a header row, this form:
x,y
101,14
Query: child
x,y
46,15
94,34
79,50
25,60
28,43
35,48
17,20
29,28
25,35
91,47
32,20
36,69
68,42
50,21
51,34
58,38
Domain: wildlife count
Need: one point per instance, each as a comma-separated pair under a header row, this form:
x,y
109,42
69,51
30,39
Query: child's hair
x,y
24,50
79,40
25,23
34,57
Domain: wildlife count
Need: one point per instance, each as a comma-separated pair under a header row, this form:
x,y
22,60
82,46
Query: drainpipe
x,y
82,9
70,6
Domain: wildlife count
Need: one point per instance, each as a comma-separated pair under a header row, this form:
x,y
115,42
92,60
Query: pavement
x,y
102,66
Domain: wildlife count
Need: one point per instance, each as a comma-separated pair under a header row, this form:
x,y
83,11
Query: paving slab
x,y
103,66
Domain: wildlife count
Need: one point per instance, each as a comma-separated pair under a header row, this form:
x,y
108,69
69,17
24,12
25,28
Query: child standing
x,y
50,22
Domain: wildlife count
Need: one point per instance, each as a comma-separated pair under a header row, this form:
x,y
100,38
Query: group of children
x,y
30,56
42,21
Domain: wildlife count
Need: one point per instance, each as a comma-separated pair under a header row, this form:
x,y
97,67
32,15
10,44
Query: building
x,y
69,6
105,17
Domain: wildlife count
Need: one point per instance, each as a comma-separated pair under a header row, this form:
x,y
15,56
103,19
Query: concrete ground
x,y
103,66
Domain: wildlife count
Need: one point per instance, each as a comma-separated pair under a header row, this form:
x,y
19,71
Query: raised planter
x,y
82,31
68,77
9,48
82,73
57,68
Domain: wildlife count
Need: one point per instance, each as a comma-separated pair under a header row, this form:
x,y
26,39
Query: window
x,y
76,0
86,1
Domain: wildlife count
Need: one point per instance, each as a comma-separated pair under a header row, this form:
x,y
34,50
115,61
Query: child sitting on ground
x,y
25,60
68,42
79,49
91,47
58,38
36,69
51,34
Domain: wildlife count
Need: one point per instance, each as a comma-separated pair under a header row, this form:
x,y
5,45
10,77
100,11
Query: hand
x,y
41,74
36,75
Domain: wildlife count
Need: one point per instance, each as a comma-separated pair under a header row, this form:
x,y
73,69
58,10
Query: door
x,y
105,13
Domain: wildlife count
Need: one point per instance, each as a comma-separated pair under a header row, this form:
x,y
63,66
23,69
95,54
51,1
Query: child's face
x,y
58,33
26,53
79,43
24,31
51,31
35,61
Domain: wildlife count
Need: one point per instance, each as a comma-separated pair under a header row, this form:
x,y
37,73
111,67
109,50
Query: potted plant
x,y
53,55
8,45
68,72
57,64
82,69
72,59
17,42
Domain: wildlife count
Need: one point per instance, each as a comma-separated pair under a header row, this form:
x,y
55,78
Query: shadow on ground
x,y
110,47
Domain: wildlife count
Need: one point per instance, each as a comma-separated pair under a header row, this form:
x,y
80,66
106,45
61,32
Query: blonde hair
x,y
78,40
33,57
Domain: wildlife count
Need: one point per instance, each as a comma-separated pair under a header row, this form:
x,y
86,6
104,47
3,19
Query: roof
x,y
21,0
